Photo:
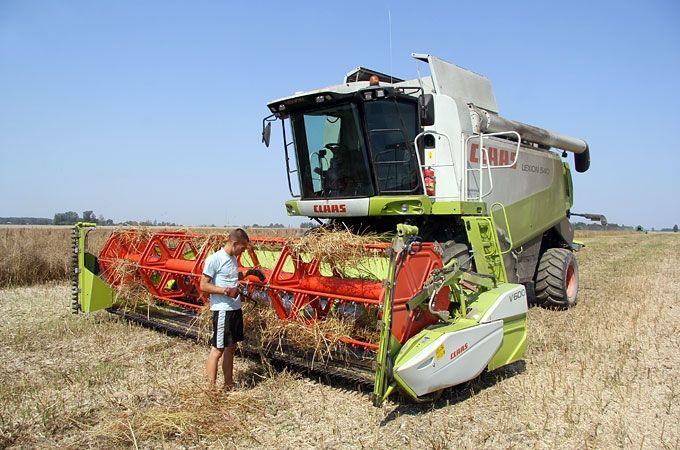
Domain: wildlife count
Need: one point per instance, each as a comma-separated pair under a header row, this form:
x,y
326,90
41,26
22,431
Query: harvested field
x,y
601,375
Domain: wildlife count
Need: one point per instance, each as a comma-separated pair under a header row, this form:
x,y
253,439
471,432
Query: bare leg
x,y
211,366
228,366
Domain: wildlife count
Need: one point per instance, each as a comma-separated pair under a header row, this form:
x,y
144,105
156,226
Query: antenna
x,y
389,21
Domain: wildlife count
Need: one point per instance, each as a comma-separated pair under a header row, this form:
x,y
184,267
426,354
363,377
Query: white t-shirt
x,y
223,271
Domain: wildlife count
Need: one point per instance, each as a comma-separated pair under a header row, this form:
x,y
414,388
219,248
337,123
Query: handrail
x,y
285,148
481,179
420,162
485,157
507,226
519,142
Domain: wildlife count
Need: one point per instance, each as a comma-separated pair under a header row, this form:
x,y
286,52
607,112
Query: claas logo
x,y
330,208
457,352
495,156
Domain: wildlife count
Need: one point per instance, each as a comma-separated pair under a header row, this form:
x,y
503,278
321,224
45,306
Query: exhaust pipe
x,y
486,122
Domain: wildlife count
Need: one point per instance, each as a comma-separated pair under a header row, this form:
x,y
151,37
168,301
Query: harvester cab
x,y
442,217
431,146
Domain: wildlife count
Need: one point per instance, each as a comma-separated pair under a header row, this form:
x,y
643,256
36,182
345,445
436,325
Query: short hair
x,y
239,236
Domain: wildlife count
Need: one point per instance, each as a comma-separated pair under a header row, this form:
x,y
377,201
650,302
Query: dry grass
x,y
602,375
321,340
38,254
339,249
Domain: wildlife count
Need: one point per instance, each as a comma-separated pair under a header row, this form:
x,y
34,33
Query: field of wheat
x,y
37,254
601,375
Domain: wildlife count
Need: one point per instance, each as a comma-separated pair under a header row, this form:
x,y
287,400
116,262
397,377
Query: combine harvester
x,y
477,208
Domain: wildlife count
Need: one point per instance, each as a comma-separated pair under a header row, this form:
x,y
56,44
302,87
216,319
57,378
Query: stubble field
x,y
601,375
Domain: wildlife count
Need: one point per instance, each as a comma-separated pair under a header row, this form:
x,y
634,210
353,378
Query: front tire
x,y
451,249
557,279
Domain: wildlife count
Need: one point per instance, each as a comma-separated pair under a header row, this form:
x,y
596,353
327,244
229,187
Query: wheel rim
x,y
571,282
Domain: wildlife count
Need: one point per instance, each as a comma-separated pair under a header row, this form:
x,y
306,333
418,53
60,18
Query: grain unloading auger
x,y
476,207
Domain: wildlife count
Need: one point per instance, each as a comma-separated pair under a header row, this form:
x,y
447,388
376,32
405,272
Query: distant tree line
x,y
72,217
271,225
674,229
615,226
598,226
25,221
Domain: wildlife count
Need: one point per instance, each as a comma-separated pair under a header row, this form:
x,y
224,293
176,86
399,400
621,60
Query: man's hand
x,y
231,292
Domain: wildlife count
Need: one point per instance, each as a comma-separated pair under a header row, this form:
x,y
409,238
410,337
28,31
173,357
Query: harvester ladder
x,y
498,206
483,237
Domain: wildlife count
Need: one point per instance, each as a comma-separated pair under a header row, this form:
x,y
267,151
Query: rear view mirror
x,y
266,133
426,110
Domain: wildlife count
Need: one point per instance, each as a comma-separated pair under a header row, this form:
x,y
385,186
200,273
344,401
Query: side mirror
x,y
266,133
426,110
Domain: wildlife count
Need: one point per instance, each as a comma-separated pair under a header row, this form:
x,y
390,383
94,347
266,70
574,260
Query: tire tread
x,y
550,274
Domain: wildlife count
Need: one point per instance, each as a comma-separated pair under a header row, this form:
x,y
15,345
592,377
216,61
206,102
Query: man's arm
x,y
208,288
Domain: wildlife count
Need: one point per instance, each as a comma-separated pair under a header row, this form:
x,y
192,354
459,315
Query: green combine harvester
x,y
477,205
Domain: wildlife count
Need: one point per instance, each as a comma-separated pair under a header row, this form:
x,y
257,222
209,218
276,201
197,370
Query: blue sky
x,y
153,109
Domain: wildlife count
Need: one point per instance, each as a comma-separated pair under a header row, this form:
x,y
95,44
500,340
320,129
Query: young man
x,y
220,280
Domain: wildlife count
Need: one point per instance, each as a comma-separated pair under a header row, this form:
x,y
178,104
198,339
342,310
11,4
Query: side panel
x,y
514,342
532,216
507,303
512,303
449,359
445,157
535,191
95,293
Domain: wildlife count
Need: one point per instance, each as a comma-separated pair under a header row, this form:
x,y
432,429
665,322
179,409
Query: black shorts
x,y
227,328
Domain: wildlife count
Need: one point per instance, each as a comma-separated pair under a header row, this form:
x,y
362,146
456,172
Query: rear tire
x,y
557,279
